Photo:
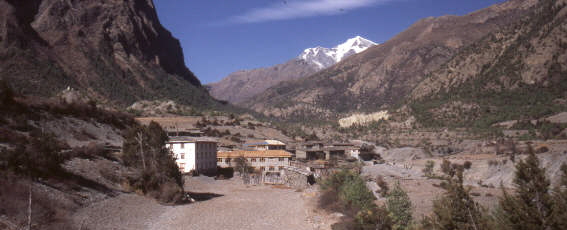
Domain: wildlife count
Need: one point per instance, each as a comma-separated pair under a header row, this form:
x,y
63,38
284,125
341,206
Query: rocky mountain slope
x,y
515,73
241,86
383,75
115,51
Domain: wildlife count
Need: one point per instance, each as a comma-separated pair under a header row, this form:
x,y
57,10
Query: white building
x,y
264,160
197,154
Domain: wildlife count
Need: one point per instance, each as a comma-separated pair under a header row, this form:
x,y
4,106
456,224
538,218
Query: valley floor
x,y
225,204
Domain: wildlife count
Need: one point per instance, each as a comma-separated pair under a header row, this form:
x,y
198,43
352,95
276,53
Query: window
x,y
182,167
262,168
281,159
170,146
271,168
262,159
253,159
182,156
182,145
227,160
219,160
280,167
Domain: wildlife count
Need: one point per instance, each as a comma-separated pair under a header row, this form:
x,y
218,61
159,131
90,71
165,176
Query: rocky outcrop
x,y
117,51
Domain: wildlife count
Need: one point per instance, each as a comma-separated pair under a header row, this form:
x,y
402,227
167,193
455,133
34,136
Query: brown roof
x,y
248,154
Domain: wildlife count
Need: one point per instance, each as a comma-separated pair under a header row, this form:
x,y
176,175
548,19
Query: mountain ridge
x,y
383,75
240,86
517,73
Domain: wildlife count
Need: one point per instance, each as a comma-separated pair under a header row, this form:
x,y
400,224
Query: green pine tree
x,y
560,201
531,206
456,209
400,207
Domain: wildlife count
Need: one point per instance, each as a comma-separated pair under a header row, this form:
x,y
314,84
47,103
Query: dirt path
x,y
239,207
226,204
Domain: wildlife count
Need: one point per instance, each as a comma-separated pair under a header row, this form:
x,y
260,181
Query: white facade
x,y
354,152
194,154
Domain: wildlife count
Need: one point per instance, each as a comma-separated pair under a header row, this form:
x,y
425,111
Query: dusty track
x,y
227,204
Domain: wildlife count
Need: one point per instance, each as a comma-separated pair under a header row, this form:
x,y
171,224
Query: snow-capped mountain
x,y
322,57
240,86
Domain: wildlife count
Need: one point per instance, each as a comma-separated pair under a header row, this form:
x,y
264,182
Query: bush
x,y
6,95
399,206
40,156
467,164
346,191
384,189
90,151
428,170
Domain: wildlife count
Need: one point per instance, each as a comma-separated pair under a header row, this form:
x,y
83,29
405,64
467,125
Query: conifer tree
x,y
456,209
560,201
399,206
531,206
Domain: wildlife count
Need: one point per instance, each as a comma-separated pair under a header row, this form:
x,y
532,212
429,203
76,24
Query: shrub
x,y
428,170
40,156
346,191
384,189
6,94
467,164
399,207
90,151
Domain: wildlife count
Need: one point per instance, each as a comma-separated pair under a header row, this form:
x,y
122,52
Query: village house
x,y
196,154
317,150
261,160
265,145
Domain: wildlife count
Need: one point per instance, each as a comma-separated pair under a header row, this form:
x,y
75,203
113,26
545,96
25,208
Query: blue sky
x,y
222,36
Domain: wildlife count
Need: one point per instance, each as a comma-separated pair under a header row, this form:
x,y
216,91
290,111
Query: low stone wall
x,y
288,177
297,180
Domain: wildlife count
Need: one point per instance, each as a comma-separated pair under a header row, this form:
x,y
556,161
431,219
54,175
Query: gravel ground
x,y
239,207
126,211
232,205
420,189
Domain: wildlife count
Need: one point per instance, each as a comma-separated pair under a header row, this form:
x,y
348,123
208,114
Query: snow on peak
x,y
323,57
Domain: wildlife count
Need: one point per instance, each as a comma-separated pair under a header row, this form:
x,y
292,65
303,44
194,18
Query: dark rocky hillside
x,y
115,51
382,76
519,72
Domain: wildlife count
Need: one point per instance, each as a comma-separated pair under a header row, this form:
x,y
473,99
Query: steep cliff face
x,y
117,51
383,75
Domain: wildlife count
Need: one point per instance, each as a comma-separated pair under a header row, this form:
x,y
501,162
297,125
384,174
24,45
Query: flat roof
x,y
248,154
186,139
